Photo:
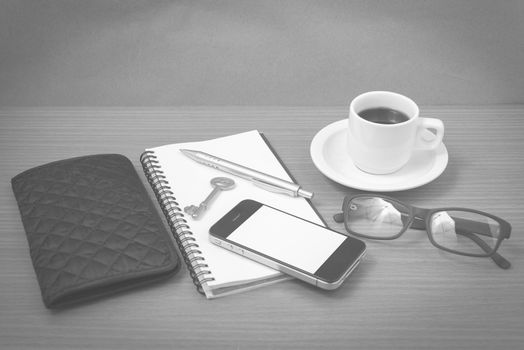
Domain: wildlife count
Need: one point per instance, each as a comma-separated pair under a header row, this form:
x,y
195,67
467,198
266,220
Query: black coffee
x,y
383,115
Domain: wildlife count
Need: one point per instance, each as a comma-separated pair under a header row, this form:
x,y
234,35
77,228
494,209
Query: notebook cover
x,y
92,229
291,175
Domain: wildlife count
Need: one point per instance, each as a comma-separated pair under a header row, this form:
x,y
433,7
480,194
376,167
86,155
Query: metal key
x,y
219,184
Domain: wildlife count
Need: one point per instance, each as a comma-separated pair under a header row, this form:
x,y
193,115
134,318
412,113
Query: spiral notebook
x,y
179,181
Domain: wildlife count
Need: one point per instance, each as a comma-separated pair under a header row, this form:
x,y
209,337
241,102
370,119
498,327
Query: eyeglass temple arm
x,y
467,229
496,257
338,217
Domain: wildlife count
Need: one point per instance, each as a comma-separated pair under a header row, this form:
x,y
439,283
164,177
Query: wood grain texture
x,y
405,295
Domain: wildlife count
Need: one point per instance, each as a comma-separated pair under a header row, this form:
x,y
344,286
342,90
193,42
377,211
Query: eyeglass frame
x,y
424,216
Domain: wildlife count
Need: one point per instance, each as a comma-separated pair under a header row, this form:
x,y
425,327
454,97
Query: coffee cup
x,y
385,129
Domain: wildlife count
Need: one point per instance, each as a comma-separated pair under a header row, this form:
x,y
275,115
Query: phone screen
x,y
287,238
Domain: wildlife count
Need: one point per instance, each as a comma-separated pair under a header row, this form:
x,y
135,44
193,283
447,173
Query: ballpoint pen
x,y
265,181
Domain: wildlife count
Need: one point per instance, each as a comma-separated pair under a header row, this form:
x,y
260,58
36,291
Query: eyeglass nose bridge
x,y
419,218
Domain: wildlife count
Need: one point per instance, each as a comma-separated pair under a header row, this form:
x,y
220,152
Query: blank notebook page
x,y
190,183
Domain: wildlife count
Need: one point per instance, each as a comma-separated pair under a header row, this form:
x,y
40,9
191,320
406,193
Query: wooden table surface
x,y
405,295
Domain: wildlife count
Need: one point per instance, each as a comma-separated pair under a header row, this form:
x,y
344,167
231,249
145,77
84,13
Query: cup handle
x,y
427,140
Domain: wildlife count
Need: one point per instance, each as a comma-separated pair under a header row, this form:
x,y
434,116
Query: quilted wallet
x,y
92,228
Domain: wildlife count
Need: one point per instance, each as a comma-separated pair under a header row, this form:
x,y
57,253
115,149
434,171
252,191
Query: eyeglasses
x,y
456,230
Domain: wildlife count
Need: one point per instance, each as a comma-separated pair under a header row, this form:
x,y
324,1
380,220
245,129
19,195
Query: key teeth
x,y
191,210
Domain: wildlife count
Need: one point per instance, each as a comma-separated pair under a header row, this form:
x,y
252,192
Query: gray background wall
x,y
172,53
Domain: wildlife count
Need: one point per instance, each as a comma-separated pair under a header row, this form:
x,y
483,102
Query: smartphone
x,y
287,243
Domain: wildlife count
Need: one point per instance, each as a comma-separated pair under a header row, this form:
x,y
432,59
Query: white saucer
x,y
330,156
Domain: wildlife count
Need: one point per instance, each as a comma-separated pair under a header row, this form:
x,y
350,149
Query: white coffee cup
x,y
380,148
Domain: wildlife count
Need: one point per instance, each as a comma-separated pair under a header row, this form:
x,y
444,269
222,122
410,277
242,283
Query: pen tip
x,y
305,194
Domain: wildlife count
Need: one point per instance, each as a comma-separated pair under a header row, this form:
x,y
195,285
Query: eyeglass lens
x,y
460,231
464,231
376,217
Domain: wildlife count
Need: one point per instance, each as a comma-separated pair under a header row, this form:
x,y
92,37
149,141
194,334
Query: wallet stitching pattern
x,y
154,252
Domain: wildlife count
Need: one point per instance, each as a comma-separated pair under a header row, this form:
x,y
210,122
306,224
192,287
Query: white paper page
x,y
190,182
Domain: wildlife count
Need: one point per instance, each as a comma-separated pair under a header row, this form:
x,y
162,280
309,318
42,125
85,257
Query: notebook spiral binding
x,y
195,262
